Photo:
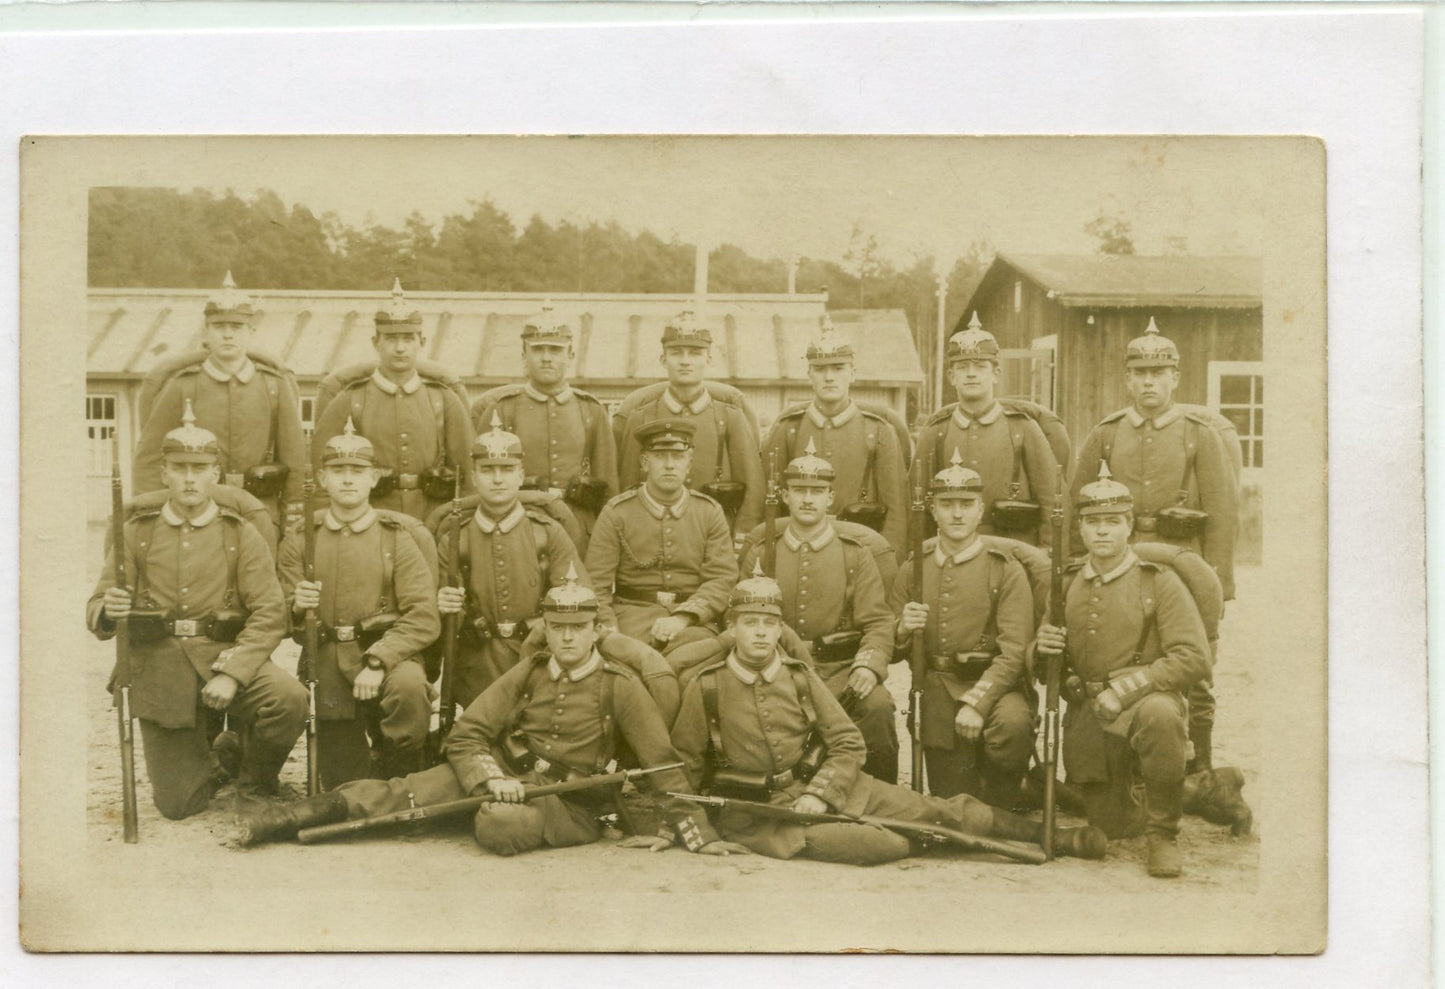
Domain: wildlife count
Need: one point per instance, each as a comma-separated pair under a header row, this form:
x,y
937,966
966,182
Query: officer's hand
x,y
308,595
1051,640
659,842
914,617
665,628
367,684
450,600
968,723
724,848
219,692
1107,706
809,804
507,791
862,680
116,603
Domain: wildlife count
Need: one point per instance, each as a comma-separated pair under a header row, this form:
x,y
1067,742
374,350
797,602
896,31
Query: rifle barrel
x,y
311,637
125,719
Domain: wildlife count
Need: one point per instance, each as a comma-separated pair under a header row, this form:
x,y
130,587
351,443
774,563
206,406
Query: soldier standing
x,y
1136,644
418,426
871,474
205,615
252,409
511,556
833,596
975,612
567,444
376,607
1004,445
661,557
726,465
1178,472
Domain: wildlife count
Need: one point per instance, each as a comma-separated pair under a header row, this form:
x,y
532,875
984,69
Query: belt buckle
x,y
555,492
186,627
505,629
542,765
407,481
1146,523
667,598
236,480
344,633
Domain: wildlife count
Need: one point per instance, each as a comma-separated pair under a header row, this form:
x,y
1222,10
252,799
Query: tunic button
x,y
185,590
1146,484
184,543
1092,631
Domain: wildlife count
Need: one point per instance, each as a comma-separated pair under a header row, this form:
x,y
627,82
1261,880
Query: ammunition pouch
x,y
729,494
266,481
587,495
385,482
1016,516
837,647
866,513
147,626
515,754
1178,522
761,786
967,666
226,625
373,627
439,483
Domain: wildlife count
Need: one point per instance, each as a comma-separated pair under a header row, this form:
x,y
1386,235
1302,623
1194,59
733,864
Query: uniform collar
x,y
555,671
505,524
676,405
841,419
243,374
657,508
358,525
751,676
823,538
171,517
391,388
1089,573
561,398
962,556
1163,419
964,420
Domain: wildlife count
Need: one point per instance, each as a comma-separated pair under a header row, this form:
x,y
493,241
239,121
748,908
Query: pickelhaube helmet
x,y
759,594
956,478
397,313
189,443
348,447
666,434
683,330
496,446
570,600
973,343
810,467
546,327
1151,350
827,347
1104,496
230,303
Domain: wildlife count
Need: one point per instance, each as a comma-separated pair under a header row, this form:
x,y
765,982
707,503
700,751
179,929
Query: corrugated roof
x,y
1134,280
756,337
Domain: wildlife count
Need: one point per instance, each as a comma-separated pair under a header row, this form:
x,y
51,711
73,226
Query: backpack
x,y
1049,423
235,500
720,392
343,378
160,375
556,508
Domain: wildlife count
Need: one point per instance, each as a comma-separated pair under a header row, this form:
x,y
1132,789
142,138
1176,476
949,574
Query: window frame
x,y
1247,369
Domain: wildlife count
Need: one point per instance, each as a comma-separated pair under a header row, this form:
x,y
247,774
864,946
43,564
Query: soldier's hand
x,y
914,617
1051,640
1107,706
862,680
116,603
367,684
507,791
724,848
968,723
219,691
660,842
665,628
308,595
450,600
809,804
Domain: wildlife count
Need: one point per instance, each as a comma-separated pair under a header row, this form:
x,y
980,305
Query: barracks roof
x,y
1126,280
618,336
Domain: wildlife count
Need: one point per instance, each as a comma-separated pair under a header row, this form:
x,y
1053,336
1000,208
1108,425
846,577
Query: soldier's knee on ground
x,y
508,829
283,707
971,814
176,804
856,844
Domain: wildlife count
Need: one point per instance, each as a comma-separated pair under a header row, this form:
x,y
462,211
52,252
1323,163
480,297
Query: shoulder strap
x,y
145,528
388,566
1191,452
708,682
544,549
271,423
439,412
524,696
1107,432
1015,486
720,416
995,591
1147,599
607,742
870,437
233,560
805,695
358,403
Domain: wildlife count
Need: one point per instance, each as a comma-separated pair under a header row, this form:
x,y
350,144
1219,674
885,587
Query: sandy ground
x,y
174,854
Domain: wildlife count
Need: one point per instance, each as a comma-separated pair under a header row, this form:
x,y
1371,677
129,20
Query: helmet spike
x,y
228,281
1104,473
188,415
957,459
350,428
974,324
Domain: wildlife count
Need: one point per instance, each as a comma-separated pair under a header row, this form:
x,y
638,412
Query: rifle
x,y
927,833
918,662
310,638
130,826
1055,665
770,518
468,805
451,626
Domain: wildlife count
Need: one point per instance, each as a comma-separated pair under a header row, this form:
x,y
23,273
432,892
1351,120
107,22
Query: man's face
x,y
348,485
808,503
1152,388
831,381
497,485
396,349
227,337
684,364
570,642
190,484
757,635
666,470
973,378
957,515
546,364
1106,535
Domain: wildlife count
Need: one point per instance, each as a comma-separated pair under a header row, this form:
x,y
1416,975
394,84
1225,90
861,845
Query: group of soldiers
x,y
667,589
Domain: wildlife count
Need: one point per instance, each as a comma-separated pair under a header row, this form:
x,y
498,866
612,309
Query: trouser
x,y
400,715
875,717
479,663
635,619
991,767
269,714
1155,742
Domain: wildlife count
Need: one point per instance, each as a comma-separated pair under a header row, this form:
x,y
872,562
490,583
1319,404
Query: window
x,y
1236,389
308,416
1018,296
100,431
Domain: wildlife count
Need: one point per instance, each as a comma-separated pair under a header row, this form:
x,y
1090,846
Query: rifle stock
x,y
918,661
310,639
125,720
1054,670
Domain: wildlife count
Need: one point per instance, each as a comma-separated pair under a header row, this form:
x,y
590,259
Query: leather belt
x,y
335,633
971,669
189,628
771,782
488,629
636,595
408,482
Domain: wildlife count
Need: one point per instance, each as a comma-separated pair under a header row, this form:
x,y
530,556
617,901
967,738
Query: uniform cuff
x,y
478,770
981,696
871,661
1132,687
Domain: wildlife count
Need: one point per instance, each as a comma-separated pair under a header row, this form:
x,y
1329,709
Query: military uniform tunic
x,y
401,423
863,450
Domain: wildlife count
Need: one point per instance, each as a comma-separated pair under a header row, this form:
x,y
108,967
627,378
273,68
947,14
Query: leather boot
x,y
1083,843
280,821
1203,738
1163,805
1215,796
1002,788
